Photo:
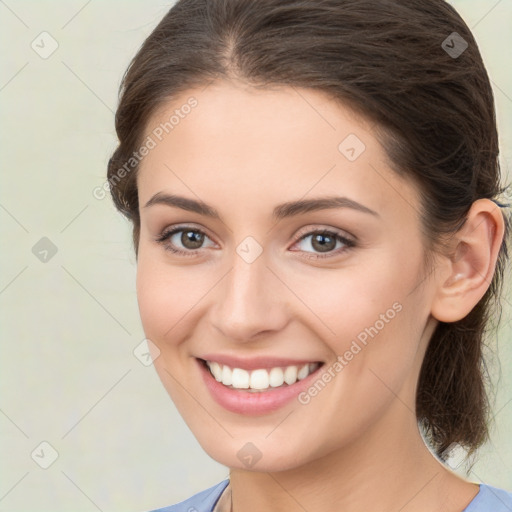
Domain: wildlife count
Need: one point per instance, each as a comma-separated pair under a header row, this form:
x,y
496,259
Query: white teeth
x,y
260,379
303,372
290,375
276,377
239,378
227,376
217,371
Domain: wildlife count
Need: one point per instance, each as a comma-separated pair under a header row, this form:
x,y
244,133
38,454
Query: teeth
x,y
260,379
276,377
303,372
226,376
239,378
216,371
290,375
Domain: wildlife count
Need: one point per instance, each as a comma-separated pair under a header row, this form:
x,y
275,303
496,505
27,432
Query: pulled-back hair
x,y
400,65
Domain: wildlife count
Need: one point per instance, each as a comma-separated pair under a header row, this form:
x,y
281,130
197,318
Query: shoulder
x,y
203,501
490,499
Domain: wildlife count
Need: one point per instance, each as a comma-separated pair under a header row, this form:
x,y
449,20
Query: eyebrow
x,y
281,211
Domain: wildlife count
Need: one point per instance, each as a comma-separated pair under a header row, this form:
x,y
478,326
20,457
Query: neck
x,y
388,468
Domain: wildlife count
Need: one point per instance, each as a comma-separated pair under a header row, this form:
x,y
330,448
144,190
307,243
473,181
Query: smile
x,y
259,379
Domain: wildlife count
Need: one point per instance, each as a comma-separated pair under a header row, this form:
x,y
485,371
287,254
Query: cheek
x,y
352,299
152,299
161,298
170,297
370,313
163,305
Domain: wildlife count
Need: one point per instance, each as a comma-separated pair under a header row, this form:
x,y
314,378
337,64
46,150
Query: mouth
x,y
260,379
262,387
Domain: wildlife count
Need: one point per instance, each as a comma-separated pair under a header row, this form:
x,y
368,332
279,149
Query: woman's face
x,y
258,286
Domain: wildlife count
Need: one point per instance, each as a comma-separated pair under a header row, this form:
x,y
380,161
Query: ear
x,y
469,268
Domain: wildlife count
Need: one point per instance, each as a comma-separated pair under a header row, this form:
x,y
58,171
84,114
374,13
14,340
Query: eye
x,y
325,241
191,239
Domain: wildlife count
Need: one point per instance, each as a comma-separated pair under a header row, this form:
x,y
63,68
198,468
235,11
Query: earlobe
x,y
472,262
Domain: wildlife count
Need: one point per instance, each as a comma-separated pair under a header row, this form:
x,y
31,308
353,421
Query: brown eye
x,y
191,239
182,240
324,244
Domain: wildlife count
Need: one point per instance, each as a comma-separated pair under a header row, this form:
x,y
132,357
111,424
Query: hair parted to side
x,y
434,115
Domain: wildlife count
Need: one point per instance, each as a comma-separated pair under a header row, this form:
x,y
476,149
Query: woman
x,y
314,190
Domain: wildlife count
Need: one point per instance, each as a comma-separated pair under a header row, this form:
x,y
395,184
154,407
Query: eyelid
x,y
167,233
348,240
309,230
182,227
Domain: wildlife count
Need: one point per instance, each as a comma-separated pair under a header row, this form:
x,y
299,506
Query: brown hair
x,y
390,61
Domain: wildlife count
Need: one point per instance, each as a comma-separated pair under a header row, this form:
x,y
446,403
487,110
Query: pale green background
x,y
69,326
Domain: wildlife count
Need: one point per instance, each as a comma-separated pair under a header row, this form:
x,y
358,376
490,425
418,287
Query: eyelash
x,y
167,234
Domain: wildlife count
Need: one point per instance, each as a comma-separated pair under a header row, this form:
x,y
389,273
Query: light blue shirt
x,y
488,499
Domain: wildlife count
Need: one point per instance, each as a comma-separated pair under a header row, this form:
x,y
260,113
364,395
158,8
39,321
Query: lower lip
x,y
245,402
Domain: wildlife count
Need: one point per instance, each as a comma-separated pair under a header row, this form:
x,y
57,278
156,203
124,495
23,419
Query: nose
x,y
250,301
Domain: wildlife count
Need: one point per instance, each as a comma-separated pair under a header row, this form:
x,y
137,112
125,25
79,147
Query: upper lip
x,y
255,363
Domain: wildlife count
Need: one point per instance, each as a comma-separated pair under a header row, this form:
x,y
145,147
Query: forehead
x,y
258,144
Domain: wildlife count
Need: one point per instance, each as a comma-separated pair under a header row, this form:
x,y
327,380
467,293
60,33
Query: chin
x,y
259,455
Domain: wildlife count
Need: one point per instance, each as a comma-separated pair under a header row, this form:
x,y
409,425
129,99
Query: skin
x,y
356,445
